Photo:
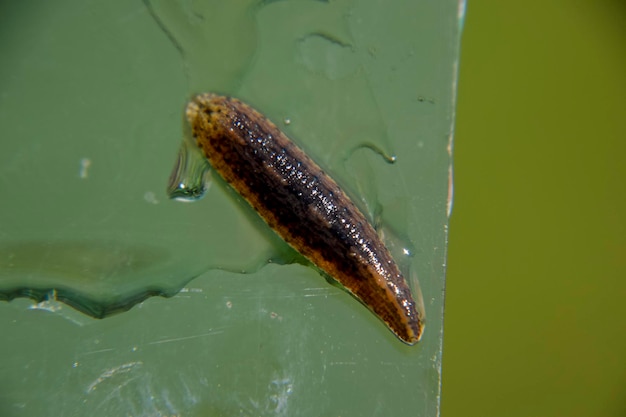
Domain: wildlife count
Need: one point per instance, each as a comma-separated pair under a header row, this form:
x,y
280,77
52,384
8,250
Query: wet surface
x,y
92,118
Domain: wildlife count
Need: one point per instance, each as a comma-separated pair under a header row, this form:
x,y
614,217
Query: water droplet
x,y
188,181
85,163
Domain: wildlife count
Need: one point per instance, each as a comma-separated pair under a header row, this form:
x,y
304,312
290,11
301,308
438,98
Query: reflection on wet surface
x,y
98,278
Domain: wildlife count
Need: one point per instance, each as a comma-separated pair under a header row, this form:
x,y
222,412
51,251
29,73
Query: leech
x,y
304,206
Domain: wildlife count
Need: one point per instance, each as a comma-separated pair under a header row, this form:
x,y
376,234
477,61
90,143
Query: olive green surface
x,y
536,285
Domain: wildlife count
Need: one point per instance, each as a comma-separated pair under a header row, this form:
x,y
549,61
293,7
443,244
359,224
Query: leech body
x,y
304,206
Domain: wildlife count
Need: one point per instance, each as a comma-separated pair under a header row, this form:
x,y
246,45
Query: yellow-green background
x,y
536,288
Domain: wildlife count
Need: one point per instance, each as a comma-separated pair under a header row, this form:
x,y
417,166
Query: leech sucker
x,y
304,206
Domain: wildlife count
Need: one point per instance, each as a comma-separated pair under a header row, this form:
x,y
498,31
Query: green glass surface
x,y
91,110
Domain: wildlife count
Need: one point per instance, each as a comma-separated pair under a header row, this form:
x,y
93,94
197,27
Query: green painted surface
x,y
91,118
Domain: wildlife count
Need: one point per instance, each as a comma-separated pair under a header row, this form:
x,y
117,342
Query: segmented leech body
x,y
304,206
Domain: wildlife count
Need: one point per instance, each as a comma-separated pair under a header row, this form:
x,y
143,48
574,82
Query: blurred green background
x,y
536,285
